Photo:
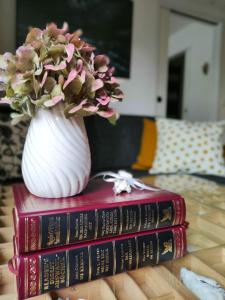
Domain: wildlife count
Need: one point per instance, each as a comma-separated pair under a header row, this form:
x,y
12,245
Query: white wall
x,y
140,89
198,41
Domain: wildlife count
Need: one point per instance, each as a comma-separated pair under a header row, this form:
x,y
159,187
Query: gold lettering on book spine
x,y
32,274
121,220
26,235
168,247
175,245
96,224
40,232
139,223
40,273
33,234
157,238
157,222
174,212
114,258
68,229
67,268
89,264
26,277
137,252
167,215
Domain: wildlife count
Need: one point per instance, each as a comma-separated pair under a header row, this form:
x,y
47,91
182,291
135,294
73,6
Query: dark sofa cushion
x,y
114,147
11,146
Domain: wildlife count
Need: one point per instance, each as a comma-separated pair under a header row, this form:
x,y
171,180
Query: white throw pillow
x,y
188,147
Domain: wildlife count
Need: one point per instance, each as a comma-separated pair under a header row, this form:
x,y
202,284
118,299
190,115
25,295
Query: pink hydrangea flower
x,y
54,66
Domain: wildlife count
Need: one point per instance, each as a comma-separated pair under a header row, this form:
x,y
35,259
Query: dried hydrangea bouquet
x,y
56,79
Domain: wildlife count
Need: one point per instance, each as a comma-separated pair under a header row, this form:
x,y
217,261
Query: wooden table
x,y
205,201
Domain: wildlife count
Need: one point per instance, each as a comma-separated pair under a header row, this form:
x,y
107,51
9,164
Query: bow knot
x,y
123,181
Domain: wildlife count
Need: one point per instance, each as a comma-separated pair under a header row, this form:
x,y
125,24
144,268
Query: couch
x,y
112,147
117,147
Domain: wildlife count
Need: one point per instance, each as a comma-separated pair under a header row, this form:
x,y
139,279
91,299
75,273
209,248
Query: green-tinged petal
x,y
16,105
16,118
39,70
113,119
4,77
39,102
49,84
56,50
67,109
75,86
28,75
89,81
27,58
29,108
118,94
57,90
20,85
61,39
9,92
78,111
36,86
84,113
54,101
34,37
43,52
3,63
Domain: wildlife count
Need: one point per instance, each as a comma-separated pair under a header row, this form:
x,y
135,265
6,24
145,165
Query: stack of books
x,y
63,242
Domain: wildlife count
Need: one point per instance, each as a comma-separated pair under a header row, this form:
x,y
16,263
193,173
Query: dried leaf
x,y
59,67
72,75
76,85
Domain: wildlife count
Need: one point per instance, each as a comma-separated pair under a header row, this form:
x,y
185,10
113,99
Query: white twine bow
x,y
123,181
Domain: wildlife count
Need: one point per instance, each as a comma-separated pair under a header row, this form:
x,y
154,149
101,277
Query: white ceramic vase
x,y
56,158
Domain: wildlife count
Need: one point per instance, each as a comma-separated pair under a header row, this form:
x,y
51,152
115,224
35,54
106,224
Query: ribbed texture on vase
x,y
56,158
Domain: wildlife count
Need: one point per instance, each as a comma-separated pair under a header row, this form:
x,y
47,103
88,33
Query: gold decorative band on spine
x,y
114,258
67,268
157,258
96,224
68,228
26,234
175,244
137,253
89,263
174,212
182,232
157,222
40,233
139,212
121,220
40,273
26,277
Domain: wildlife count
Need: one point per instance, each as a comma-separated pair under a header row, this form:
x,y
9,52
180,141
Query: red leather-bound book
x,y
50,269
96,213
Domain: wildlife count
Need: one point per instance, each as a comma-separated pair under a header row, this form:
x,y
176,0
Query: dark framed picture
x,y
106,24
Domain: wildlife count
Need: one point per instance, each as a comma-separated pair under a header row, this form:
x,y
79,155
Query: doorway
x,y
190,57
175,86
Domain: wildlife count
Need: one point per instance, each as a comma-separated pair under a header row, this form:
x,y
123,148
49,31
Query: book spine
x,y
47,231
42,272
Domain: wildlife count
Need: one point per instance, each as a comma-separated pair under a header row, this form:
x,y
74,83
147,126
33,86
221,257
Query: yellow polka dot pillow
x,y
187,147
